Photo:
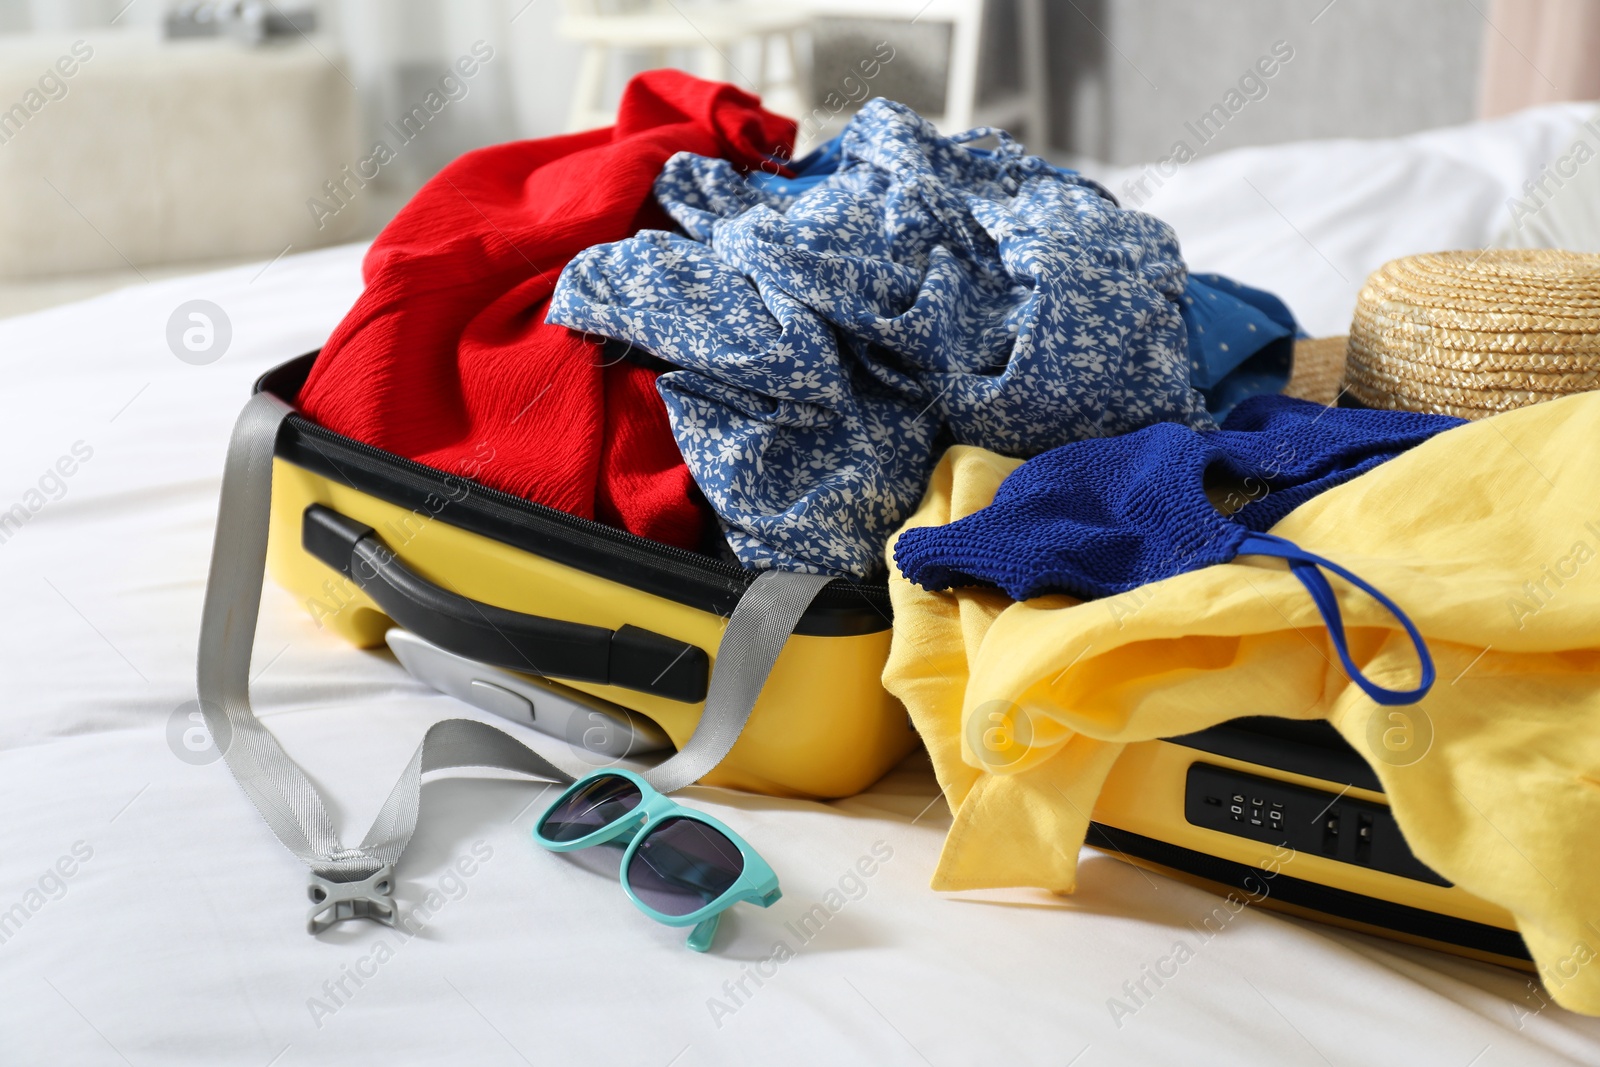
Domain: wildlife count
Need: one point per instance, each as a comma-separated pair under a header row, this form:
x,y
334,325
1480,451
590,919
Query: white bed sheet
x,y
179,939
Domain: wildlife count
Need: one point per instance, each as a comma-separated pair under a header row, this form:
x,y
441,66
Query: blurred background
x,y
146,138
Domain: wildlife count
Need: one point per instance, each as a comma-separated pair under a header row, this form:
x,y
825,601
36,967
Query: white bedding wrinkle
x,y
50,486
52,885
1310,220
1559,207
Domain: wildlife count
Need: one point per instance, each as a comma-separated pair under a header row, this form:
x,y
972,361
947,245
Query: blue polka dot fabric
x,y
1241,341
832,334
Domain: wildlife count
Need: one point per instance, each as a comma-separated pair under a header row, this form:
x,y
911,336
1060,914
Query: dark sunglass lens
x,y
600,803
683,865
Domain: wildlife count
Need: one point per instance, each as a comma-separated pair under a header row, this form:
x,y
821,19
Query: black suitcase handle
x,y
630,657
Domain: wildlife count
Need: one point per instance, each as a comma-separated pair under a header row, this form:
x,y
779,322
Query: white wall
x,y
1128,74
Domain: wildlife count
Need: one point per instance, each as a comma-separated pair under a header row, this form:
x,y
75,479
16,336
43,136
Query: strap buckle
x,y
335,902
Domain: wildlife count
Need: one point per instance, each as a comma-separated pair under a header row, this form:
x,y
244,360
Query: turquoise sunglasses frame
x,y
757,884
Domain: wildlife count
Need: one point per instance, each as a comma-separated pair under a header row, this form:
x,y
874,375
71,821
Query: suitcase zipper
x,y
677,562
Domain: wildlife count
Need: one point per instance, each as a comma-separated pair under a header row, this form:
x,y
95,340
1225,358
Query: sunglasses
x,y
680,867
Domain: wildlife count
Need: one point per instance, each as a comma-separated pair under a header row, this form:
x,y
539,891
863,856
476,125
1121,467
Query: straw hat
x,y
1318,369
1471,334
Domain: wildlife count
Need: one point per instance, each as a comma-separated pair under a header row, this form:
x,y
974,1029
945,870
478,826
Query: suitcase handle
x,y
630,657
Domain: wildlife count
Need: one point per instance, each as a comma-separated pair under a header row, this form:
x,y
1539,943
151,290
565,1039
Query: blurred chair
x,y
713,30
962,107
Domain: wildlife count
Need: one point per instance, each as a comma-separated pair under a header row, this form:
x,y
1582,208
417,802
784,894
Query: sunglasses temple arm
x,y
700,937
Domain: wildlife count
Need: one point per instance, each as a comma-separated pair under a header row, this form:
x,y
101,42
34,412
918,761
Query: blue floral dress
x,y
829,339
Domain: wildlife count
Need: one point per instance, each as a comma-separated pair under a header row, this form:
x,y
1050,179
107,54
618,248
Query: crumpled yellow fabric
x,y
1488,536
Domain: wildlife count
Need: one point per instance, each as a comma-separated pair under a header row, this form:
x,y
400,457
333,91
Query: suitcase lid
x,y
845,608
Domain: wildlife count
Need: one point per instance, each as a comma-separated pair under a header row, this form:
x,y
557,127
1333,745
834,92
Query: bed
x,y
148,916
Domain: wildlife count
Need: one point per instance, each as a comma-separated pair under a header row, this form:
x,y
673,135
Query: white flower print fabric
x,y
923,293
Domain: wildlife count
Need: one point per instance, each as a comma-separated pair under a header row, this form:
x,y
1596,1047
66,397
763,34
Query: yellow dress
x,y
1487,536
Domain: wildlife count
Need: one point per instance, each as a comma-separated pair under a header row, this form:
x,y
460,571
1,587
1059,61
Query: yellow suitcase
x,y
504,581
1284,814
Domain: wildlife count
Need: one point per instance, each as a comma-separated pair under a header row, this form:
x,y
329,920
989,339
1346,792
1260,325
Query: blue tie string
x,y
1305,566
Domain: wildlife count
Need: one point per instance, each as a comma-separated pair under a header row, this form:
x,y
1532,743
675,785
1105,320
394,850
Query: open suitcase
x,y
1278,812
495,579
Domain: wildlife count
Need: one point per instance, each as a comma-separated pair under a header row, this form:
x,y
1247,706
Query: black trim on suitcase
x,y
631,657
1311,747
844,609
1313,896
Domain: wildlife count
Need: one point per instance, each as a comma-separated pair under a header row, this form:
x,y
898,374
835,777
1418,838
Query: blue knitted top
x,y
1103,516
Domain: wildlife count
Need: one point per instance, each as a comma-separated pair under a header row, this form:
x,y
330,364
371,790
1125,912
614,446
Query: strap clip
x,y
334,902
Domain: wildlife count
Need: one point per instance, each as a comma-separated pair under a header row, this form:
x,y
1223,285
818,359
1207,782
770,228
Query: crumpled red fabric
x,y
446,358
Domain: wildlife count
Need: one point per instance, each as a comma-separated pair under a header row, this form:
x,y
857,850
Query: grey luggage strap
x,y
352,883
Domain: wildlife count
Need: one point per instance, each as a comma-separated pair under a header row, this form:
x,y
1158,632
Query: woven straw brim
x,y
1472,334
1318,370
